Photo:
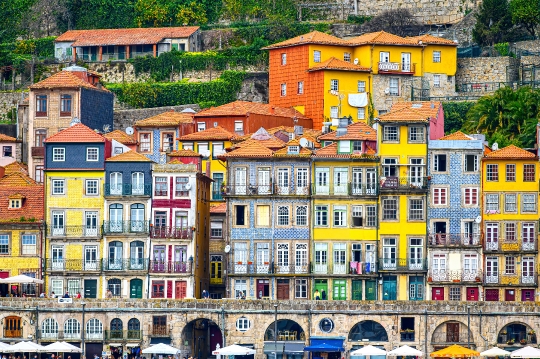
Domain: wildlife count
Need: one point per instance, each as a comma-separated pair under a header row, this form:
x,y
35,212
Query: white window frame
x,y
418,213
59,154
393,86
436,57
243,324
361,86
28,244
436,80
440,196
334,85
361,113
88,186
390,133
92,154
284,58
283,90
492,202
300,88
473,201
316,56
340,216
58,184
334,112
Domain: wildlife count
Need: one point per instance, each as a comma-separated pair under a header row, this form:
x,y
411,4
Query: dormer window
x,y
293,150
15,203
344,147
357,147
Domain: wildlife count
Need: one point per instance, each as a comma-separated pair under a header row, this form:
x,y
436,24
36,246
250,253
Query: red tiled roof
x,y
314,37
6,138
64,79
338,65
121,137
169,118
427,108
273,142
19,185
428,39
284,152
76,133
382,38
357,131
331,151
214,133
219,209
15,167
456,136
511,152
242,108
129,156
184,153
135,36
253,149
404,115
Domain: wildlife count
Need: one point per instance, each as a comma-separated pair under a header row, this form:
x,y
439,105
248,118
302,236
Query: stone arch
x,y
202,336
451,332
516,332
287,329
368,329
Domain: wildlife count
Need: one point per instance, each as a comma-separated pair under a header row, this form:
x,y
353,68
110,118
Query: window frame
x,y
440,198
90,156
529,176
65,101
321,215
361,86
492,172
386,213
473,194
436,56
317,56
58,154
334,85
416,211
54,187
437,162
87,183
510,172
42,104
5,244
300,88
532,204
283,58
386,134
475,163
283,88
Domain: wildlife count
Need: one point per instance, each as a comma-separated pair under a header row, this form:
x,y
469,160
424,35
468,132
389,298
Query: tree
x,y
191,14
526,13
398,22
455,115
493,22
11,12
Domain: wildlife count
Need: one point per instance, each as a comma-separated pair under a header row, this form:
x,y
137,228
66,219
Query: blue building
x,y
454,240
268,193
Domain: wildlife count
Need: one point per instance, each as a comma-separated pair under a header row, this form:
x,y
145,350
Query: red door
x,y
437,293
472,294
263,288
180,290
527,295
510,295
169,289
492,295
215,337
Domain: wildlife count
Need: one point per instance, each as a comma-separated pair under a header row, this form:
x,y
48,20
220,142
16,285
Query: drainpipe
x,y
223,326
425,331
468,327
37,323
480,331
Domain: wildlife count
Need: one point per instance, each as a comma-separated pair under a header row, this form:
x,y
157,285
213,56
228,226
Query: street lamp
x,y
275,331
83,356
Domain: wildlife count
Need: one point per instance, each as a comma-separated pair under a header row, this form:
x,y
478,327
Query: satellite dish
x,y
478,219
187,186
227,248
495,146
215,124
106,128
304,142
74,121
129,130
356,61
387,90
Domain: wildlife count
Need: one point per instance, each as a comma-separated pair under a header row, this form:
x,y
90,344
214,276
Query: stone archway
x,y
368,330
516,333
200,337
287,330
451,332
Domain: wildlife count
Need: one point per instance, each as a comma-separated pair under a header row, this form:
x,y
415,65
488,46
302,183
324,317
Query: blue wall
x,y
75,156
127,168
97,108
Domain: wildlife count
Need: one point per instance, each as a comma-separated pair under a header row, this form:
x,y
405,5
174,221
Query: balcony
x,y
216,280
12,333
119,227
455,276
349,189
353,268
396,68
504,278
159,331
169,267
38,151
400,264
170,232
454,240
407,335
73,231
264,190
511,245
73,265
128,189
403,183
216,196
125,264
123,334
291,269
61,334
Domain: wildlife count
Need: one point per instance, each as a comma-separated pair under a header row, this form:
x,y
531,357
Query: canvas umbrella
x,y
61,347
73,348
4,346
406,351
495,352
161,349
455,351
24,347
234,350
527,352
21,279
368,350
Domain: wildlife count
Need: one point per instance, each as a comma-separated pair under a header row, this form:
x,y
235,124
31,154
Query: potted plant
x,y
510,342
430,279
250,263
523,341
239,263
477,279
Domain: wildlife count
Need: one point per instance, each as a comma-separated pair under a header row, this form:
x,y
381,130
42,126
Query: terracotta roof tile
x,y
511,152
428,108
338,65
428,39
357,131
169,118
20,185
404,115
331,151
129,156
6,138
121,137
219,209
76,133
272,142
15,167
456,136
65,79
252,149
184,153
314,37
242,108
214,133
135,36
382,38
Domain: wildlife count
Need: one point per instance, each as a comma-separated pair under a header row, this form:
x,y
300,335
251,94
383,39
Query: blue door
x,y
390,287
416,288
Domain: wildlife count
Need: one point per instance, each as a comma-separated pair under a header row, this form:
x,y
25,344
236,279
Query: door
x,y
135,288
90,258
158,260
389,288
416,172
356,290
263,258
116,183
240,181
527,270
492,270
180,259
263,180
321,261
283,181
452,332
340,181
137,218
136,255
510,295
180,289
370,258
470,267
405,62
416,254
492,295
438,272
115,218
356,181
263,288
437,293
321,181
302,184
57,257
283,257
340,290
339,258
137,183
384,56
115,255
282,289
90,288
58,223
322,286
301,259
371,289
492,236
527,295
91,227
389,253
371,185
472,294
416,288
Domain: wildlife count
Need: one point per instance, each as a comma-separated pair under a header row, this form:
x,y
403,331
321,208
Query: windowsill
x,y
391,141
65,114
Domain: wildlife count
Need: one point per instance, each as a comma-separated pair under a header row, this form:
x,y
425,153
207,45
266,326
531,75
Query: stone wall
x,y
486,69
8,100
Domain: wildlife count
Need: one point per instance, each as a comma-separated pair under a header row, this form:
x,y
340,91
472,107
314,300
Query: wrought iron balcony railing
x,y
128,189
169,266
73,265
123,334
263,190
346,189
118,227
170,232
510,244
403,183
516,278
73,231
396,68
352,267
400,264
125,264
462,275
454,240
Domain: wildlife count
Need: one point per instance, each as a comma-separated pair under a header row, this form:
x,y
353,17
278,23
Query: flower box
x,y
250,262
239,263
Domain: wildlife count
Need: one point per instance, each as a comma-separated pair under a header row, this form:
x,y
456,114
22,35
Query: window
x,y
283,89
94,329
59,154
4,244
357,219
361,113
510,232
38,172
436,56
439,163
40,136
455,293
41,105
284,59
344,147
394,86
217,149
471,163
201,126
316,56
390,167
529,173
168,141
49,328
240,288
145,142
510,173
91,187
510,202
440,196
216,229
283,216
340,216
528,203
239,127
321,215
243,324
390,133
7,151
300,288
416,209
240,215
436,80
334,112
28,244
371,216
161,186
72,328
384,56
115,286
65,105
334,85
181,186
471,196
300,88
58,186
187,146
263,216
15,203
301,216
361,86
492,202
492,172
389,209
416,134
510,265
347,56
202,148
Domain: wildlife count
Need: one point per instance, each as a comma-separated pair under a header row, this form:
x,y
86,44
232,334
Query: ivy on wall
x,y
156,94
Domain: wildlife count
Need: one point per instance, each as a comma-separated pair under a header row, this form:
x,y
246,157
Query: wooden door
x,y
510,295
169,289
180,289
492,295
452,332
527,295
472,294
135,290
263,288
371,289
283,289
356,290
437,293
90,288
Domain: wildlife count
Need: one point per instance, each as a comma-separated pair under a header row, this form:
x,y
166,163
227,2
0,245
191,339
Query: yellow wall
x,y
348,83
15,261
448,64
328,51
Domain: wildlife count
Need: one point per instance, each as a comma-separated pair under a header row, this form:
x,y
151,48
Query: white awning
x,y
358,99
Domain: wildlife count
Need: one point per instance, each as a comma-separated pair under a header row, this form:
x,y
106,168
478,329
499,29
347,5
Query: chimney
x,y
2,171
272,110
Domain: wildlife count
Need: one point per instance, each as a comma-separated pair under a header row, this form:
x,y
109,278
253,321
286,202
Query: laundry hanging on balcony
x,y
358,99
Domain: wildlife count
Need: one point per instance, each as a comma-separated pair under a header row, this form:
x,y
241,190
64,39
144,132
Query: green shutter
x,y
356,290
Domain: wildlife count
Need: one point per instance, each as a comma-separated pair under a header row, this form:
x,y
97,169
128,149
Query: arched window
x,y
116,329
94,329
115,217
370,330
115,286
72,329
134,329
137,183
136,251
49,328
301,216
283,216
137,217
116,183
115,255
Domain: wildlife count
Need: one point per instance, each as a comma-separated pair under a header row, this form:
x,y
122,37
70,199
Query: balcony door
x,y
137,218
136,255
371,184
115,255
340,181
302,180
115,217
91,227
492,270
263,180
527,270
283,181
57,257
90,257
406,61
283,257
263,258
116,183
492,236
58,223
416,172
159,256
137,183
240,181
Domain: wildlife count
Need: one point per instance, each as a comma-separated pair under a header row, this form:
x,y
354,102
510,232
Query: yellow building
x,y
402,138
344,211
74,182
510,219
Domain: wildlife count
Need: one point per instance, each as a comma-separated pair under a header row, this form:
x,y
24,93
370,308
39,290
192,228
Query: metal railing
x,y
263,190
112,227
216,195
123,334
125,264
291,269
408,183
454,239
159,331
128,189
354,268
407,336
73,231
73,265
396,67
510,245
517,278
402,264
460,275
170,232
347,189
169,267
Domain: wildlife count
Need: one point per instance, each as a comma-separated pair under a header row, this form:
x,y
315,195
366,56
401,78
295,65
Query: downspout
x,y
480,331
427,212
37,324
425,330
223,327
311,235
